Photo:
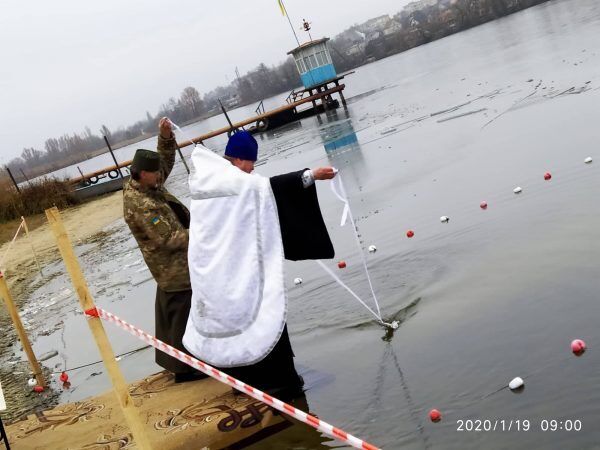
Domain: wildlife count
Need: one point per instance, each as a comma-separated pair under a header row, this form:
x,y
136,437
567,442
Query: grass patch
x,y
33,200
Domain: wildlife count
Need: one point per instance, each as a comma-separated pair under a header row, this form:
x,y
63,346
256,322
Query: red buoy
x,y
410,233
578,347
435,415
64,377
547,176
342,264
483,205
38,389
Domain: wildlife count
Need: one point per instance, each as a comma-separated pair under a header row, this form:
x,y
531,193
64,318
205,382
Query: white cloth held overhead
x,y
235,259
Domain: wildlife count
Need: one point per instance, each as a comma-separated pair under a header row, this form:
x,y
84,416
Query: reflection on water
x,y
338,134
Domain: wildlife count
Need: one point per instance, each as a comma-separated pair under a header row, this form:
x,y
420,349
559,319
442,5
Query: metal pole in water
x,y
226,115
183,160
113,156
13,179
25,176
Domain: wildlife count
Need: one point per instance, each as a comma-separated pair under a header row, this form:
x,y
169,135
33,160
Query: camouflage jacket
x,y
159,222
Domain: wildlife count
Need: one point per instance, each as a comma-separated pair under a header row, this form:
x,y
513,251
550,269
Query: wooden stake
x,y
108,357
14,315
31,245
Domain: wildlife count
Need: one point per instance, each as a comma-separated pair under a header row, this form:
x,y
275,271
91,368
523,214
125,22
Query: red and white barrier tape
x,y
314,422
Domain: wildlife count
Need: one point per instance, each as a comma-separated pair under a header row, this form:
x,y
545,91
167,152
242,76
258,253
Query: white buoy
x,y
31,382
516,383
297,281
444,219
588,160
517,190
372,249
395,324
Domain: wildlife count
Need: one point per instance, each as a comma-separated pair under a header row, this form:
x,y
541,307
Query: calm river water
x,y
489,296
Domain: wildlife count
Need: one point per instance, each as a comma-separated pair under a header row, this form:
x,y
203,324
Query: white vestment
x,y
235,259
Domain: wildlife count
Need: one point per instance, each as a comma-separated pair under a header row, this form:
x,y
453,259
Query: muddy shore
x,y
84,225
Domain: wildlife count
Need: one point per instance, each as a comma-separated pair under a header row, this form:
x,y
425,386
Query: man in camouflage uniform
x,y
159,222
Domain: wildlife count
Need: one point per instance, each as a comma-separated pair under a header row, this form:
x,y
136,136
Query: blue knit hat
x,y
242,145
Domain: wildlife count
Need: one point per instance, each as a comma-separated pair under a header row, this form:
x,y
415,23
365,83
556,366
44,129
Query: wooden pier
x,y
318,97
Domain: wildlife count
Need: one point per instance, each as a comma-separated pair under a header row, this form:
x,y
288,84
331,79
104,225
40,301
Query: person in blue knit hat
x,y
242,151
238,316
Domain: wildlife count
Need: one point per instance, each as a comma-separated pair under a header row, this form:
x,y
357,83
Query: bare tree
x,y
190,100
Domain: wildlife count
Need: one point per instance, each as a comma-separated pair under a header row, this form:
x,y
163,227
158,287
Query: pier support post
x,y
13,179
341,95
113,156
95,323
14,315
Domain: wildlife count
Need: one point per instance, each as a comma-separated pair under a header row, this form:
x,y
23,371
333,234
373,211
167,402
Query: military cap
x,y
146,160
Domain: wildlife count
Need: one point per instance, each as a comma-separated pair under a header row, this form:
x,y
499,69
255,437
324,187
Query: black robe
x,y
304,236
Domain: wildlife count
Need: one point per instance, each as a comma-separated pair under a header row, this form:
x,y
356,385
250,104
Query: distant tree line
x,y
418,23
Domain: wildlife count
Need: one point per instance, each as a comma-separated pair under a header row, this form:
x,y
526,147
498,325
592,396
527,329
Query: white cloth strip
x,y
341,283
337,186
182,132
308,419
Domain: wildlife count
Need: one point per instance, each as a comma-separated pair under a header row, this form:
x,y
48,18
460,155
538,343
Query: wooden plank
x,y
14,315
192,415
223,130
108,357
262,116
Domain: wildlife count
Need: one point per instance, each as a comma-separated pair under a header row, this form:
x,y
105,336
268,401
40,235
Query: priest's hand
x,y
323,173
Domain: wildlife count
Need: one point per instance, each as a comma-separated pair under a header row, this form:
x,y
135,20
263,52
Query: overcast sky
x,y
66,64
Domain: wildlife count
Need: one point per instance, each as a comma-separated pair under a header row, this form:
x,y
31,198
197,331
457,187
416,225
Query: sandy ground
x,y
83,223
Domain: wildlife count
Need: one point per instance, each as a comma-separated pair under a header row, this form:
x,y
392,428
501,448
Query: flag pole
x,y
284,10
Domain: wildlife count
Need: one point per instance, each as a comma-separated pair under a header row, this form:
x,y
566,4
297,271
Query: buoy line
x,y
64,373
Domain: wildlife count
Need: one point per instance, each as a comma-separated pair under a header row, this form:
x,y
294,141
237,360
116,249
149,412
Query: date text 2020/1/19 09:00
x,y
470,425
